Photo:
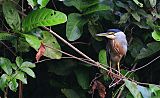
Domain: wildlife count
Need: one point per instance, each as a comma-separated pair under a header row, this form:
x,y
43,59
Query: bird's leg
x,y
110,66
110,69
118,64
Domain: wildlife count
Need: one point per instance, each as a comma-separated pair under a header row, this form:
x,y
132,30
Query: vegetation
x,y
38,38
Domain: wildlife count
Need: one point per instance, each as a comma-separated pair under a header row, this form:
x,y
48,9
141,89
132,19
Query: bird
x,y
116,45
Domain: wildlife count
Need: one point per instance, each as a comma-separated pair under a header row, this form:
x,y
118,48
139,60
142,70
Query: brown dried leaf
x,y
100,87
40,52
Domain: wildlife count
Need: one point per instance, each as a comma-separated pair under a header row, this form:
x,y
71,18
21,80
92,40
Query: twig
x,y
145,64
8,48
120,92
80,43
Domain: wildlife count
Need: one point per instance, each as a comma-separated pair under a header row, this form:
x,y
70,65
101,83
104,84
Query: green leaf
x,y
13,85
11,15
14,66
81,4
103,57
33,41
132,87
53,46
136,16
82,76
135,47
154,88
19,61
28,64
21,45
28,71
70,93
124,18
153,2
156,35
150,21
32,3
95,28
43,17
96,8
43,3
6,36
5,64
146,93
138,3
3,82
74,27
20,75
122,5
151,49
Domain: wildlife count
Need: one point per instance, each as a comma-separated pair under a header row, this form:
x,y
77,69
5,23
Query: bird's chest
x,y
116,49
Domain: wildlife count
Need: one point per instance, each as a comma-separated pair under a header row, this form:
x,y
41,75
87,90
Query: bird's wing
x,y
118,48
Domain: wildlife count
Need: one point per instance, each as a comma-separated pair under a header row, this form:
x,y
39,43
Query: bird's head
x,y
112,33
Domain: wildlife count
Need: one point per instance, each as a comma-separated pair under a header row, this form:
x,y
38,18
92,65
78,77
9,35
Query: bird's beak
x,y
106,35
101,34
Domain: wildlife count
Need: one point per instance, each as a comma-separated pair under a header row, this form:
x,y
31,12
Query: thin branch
x,y
145,64
80,43
8,48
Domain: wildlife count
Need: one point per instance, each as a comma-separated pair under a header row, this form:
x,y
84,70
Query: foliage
x,y
78,21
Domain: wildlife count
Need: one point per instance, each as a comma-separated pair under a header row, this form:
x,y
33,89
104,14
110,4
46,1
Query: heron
x,y
116,46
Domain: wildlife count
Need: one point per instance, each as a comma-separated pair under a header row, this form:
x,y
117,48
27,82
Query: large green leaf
x,y
43,3
132,87
156,35
51,51
11,15
96,8
82,76
151,49
5,64
153,2
13,85
43,17
32,3
74,27
6,36
70,93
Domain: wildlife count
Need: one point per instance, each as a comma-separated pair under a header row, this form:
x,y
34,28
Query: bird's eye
x,y
110,33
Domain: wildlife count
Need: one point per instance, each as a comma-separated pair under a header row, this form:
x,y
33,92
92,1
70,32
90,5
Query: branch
x,y
145,64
